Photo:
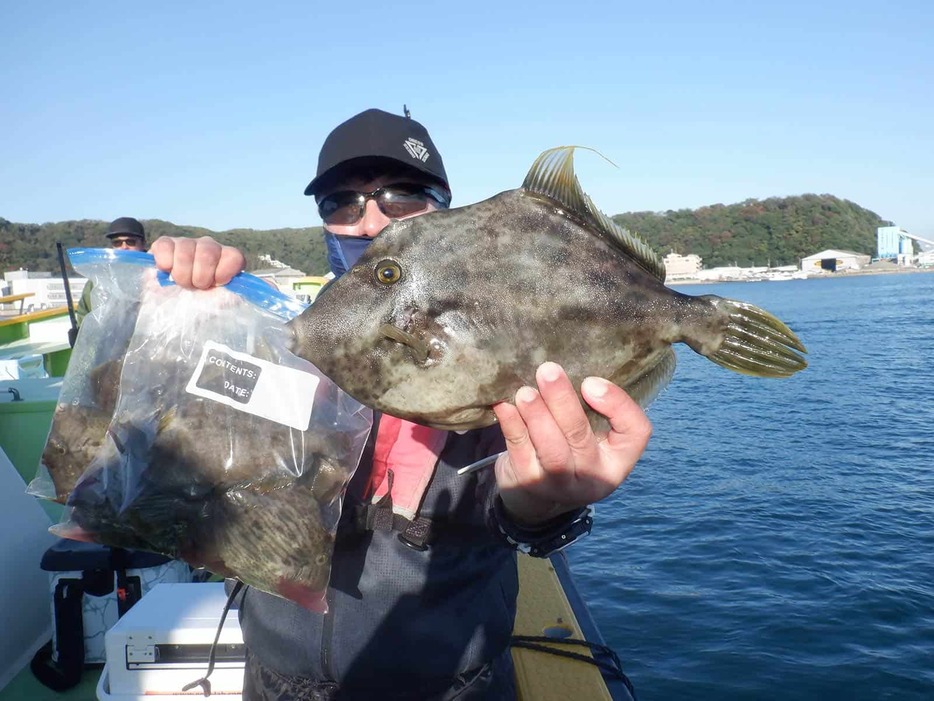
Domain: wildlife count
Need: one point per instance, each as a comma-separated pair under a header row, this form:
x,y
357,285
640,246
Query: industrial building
x,y
894,243
832,260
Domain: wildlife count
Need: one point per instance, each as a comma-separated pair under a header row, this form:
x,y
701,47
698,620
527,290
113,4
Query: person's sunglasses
x,y
346,207
130,241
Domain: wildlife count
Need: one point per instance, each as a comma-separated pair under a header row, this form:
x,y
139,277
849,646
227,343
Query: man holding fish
x,y
423,585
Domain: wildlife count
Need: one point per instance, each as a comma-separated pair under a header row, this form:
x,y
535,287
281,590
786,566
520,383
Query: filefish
x,y
451,312
76,436
191,483
78,430
184,468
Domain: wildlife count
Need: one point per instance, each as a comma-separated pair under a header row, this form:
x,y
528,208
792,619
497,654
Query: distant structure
x,y
305,289
281,277
678,266
833,260
45,291
271,262
894,243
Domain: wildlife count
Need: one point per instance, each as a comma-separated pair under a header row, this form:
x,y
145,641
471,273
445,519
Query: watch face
x,y
576,530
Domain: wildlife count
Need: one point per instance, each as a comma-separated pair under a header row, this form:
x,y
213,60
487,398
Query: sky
x,y
212,114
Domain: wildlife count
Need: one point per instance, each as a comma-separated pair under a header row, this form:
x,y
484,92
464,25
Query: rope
x,y
203,682
614,668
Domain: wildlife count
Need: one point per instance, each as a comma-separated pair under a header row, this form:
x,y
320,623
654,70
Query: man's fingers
x,y
624,414
565,407
231,264
513,425
521,452
205,257
200,263
163,251
181,266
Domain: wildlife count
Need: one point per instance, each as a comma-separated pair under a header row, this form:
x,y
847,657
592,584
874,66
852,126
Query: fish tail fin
x,y
755,342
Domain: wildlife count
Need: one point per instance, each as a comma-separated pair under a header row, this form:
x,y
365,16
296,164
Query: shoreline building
x,y
894,243
833,260
681,267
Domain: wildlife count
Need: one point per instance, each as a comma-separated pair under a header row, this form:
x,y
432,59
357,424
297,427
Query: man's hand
x,y
554,462
200,263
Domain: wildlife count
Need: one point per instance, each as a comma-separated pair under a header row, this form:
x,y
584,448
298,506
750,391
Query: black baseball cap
x,y
125,226
375,134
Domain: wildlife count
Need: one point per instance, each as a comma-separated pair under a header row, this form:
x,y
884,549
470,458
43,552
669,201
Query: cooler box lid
x,y
69,555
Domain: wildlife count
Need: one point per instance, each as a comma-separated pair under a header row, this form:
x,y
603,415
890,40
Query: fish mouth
x,y
419,347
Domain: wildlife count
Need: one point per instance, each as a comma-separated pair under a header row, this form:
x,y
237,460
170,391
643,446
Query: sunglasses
x,y
346,207
131,241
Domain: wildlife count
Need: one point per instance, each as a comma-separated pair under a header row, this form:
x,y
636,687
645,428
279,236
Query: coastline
x,y
893,270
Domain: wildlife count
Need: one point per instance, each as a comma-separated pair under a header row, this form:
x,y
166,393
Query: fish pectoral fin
x,y
552,175
756,342
647,386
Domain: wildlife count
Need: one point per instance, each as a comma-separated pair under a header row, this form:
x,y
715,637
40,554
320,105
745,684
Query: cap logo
x,y
416,149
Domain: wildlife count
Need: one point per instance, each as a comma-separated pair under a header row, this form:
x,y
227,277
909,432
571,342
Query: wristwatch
x,y
551,537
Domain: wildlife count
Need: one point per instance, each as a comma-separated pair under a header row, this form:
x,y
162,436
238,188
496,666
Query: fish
x,y
449,313
157,460
78,431
76,435
190,482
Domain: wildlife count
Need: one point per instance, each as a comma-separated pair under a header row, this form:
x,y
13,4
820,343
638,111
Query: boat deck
x,y
548,602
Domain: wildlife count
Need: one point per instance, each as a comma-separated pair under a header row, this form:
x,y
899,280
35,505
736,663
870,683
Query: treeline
x,y
32,246
775,231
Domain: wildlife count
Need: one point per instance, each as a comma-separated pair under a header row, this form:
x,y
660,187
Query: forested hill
x,y
32,246
776,231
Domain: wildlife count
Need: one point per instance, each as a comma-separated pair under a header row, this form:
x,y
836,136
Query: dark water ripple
x,y
777,540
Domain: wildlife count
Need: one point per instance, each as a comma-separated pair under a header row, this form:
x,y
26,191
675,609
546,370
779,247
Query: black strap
x,y
379,516
203,682
68,605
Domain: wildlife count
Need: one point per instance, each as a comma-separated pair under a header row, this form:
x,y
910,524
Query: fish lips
x,y
420,348
414,329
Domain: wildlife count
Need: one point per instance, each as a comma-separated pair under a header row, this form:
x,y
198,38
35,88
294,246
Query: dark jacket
x,y
401,618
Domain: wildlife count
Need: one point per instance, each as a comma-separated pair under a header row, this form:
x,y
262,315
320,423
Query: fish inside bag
x,y
224,449
89,389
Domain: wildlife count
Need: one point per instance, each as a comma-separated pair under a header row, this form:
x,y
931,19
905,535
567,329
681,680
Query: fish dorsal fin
x,y
552,175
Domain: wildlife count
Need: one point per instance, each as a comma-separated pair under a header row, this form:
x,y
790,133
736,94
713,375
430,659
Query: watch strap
x,y
550,537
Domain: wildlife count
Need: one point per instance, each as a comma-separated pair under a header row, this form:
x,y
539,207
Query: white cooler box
x,y
105,583
164,643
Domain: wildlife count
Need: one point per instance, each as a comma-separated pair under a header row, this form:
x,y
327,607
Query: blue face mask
x,y
344,251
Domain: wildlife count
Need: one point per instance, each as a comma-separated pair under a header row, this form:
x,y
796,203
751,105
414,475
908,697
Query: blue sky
x,y
212,114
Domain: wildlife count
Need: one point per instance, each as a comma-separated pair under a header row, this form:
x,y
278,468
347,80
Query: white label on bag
x,y
281,394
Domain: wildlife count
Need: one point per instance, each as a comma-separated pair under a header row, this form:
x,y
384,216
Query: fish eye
x,y
388,272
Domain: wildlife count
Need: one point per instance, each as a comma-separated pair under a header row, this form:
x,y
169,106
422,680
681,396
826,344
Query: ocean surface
x,y
777,539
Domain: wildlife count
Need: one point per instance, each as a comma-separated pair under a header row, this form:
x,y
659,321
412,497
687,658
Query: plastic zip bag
x,y
224,449
88,397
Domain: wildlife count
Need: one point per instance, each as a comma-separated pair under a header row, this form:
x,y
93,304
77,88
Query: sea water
x,y
776,541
